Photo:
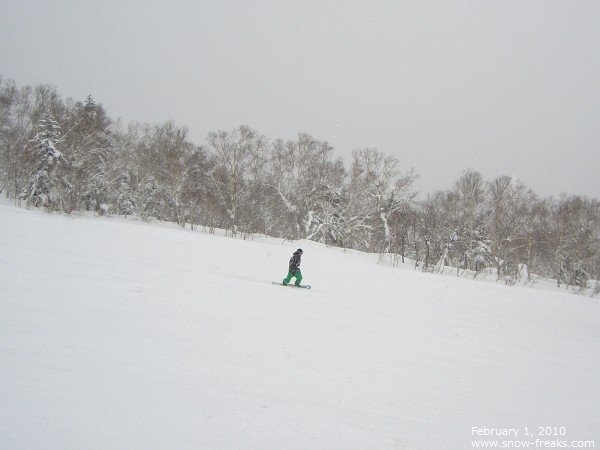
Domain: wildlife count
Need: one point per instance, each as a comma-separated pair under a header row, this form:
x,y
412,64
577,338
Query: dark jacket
x,y
295,262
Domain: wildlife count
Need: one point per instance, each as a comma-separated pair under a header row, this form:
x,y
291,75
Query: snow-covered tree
x,y
14,110
88,148
506,217
233,154
472,242
376,193
306,183
23,113
572,239
436,231
156,160
41,190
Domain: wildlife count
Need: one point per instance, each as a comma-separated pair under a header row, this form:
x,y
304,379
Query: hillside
x,y
122,334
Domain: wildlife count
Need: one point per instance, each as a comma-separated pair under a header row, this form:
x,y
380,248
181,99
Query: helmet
x,y
299,251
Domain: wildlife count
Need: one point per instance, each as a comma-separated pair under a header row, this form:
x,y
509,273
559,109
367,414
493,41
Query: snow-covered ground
x,y
117,334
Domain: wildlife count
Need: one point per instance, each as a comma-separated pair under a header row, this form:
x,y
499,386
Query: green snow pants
x,y
296,274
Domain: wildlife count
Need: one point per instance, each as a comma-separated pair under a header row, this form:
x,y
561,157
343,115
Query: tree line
x,y
70,156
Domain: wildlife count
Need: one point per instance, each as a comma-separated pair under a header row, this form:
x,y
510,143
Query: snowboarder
x,y
294,268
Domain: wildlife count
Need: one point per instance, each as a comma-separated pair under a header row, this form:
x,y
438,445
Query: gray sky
x,y
504,87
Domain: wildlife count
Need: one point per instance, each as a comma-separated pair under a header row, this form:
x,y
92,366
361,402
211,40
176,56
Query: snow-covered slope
x,y
125,335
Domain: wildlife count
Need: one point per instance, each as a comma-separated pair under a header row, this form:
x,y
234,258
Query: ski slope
x,y
118,334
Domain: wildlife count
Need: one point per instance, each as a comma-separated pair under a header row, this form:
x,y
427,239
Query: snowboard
x,y
303,286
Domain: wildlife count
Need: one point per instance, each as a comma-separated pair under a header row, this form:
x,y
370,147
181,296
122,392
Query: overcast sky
x,y
503,87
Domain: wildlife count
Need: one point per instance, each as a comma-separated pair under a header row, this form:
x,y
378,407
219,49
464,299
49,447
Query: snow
x,y
116,333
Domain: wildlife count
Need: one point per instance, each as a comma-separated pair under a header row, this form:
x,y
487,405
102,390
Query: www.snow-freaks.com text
x,y
537,437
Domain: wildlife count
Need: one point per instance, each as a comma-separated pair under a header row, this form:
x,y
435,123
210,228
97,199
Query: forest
x,y
71,157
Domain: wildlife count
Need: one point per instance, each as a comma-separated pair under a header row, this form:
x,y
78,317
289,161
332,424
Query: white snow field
x,y
119,334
